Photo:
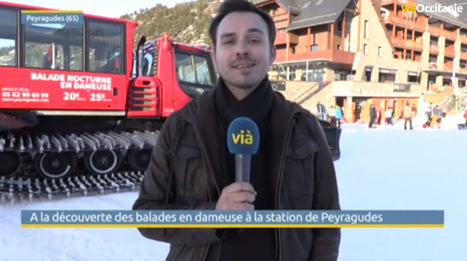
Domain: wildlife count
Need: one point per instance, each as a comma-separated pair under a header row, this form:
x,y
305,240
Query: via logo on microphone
x,y
243,136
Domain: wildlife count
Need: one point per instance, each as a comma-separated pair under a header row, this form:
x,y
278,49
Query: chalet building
x,y
363,52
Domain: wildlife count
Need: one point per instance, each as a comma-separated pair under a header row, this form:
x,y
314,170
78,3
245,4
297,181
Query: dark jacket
x,y
372,112
184,169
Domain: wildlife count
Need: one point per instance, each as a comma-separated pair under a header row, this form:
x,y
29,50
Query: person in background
x,y
407,114
339,115
444,111
436,117
191,167
388,115
372,116
414,111
322,112
429,111
332,114
378,116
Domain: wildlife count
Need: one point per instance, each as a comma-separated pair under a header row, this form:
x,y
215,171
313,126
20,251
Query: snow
x,y
382,168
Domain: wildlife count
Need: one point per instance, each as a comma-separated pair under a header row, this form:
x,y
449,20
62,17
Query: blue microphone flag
x,y
243,136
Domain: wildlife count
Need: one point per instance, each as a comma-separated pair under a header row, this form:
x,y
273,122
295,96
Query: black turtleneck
x,y
248,244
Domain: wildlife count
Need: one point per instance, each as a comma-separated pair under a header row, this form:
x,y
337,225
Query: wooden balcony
x,y
281,38
402,22
394,19
449,51
281,21
448,66
463,38
437,31
404,43
280,17
421,27
335,56
418,45
450,34
282,25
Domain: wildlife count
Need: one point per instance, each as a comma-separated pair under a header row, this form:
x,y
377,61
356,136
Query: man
x,y
322,113
338,116
332,115
388,115
436,118
429,111
372,116
407,114
191,167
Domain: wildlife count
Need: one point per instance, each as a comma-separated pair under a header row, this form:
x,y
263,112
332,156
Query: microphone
x,y
243,141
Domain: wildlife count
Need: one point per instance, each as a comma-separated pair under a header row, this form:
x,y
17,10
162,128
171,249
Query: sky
x,y
382,168
102,7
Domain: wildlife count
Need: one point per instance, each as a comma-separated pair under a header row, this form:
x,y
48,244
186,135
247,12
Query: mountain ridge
x,y
184,22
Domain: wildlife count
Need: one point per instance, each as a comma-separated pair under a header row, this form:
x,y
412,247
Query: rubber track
x,y
27,186
22,190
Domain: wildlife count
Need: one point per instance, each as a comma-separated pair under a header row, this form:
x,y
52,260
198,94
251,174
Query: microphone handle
x,y
242,167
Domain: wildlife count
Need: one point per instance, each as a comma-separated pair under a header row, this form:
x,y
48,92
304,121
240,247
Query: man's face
x,y
243,52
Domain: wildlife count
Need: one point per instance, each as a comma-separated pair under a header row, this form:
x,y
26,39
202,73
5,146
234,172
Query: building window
x,y
338,47
408,15
412,77
368,71
408,55
380,51
387,75
8,24
314,48
365,49
463,64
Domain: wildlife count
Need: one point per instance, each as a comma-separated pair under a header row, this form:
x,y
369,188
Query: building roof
x,y
290,5
310,12
316,12
459,19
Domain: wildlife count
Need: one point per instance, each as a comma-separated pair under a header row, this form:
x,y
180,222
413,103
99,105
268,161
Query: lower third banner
x,y
232,219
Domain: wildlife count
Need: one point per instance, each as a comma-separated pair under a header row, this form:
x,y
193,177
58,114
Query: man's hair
x,y
230,6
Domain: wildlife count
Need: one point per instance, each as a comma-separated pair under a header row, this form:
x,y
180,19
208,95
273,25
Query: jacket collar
x,y
201,114
201,111
255,106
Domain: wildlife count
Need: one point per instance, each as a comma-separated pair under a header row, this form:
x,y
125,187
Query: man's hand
x,y
237,196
